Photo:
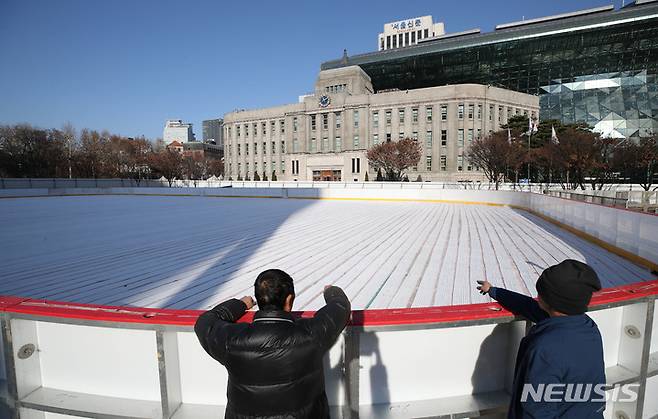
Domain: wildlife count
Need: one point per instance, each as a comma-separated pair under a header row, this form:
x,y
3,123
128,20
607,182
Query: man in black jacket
x,y
274,363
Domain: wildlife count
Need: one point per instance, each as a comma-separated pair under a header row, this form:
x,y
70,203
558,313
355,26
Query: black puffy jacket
x,y
274,363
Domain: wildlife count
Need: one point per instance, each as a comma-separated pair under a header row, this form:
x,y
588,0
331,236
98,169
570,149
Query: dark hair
x,y
272,287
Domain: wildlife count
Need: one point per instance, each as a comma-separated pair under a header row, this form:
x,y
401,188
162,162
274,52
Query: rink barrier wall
x,y
81,360
141,362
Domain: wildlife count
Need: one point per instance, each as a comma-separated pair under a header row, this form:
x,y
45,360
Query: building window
x,y
444,138
401,135
500,114
428,114
428,139
255,148
460,138
395,41
356,165
272,126
460,111
264,147
414,135
239,169
273,147
388,137
444,112
460,162
375,138
479,134
388,117
295,167
263,128
283,166
479,111
414,115
388,42
356,119
471,109
339,120
246,149
295,145
401,115
255,131
406,38
426,33
339,144
470,136
381,44
239,152
356,142
283,147
509,113
325,144
491,112
428,163
444,163
312,122
375,119
413,37
325,121
314,145
282,126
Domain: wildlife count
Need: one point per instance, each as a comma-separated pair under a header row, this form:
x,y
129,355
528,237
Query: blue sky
x,y
127,65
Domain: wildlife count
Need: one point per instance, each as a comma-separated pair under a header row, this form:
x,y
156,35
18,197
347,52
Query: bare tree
x,y
395,157
637,161
167,163
494,155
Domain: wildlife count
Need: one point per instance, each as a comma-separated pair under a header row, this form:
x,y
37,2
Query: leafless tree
x,y
394,158
167,163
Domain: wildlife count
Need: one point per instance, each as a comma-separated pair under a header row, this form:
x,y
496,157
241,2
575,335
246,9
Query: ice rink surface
x,y
193,252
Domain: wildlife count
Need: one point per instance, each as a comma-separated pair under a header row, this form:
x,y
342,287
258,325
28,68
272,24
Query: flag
x,y
509,136
532,126
554,138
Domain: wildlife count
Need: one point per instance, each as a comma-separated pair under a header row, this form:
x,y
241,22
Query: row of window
x,y
403,39
356,166
463,136
464,111
338,88
256,168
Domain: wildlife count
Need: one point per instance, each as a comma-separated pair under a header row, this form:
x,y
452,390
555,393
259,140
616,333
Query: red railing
x,y
376,317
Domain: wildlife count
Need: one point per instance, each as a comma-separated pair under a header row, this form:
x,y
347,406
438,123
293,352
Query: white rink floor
x,y
192,252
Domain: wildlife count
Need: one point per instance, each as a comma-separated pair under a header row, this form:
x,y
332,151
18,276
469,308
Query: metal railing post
x,y
644,363
351,369
10,368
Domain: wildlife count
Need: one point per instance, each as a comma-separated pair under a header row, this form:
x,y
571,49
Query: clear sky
x,y
127,65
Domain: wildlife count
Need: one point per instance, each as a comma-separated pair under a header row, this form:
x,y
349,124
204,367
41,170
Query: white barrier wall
x,y
458,361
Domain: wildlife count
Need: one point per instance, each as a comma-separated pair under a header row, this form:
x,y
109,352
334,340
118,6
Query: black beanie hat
x,y
568,286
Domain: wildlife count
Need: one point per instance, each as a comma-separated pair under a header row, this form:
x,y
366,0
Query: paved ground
x,y
191,252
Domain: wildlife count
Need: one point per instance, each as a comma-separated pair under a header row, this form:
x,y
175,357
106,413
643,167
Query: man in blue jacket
x,y
559,370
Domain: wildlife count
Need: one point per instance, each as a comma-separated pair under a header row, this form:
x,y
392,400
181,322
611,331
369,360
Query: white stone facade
x,y
326,136
404,33
177,130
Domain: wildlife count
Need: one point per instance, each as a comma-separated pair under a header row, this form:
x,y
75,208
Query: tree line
x,y
550,152
570,154
31,152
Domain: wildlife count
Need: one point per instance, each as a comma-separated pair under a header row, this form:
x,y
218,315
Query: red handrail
x,y
376,317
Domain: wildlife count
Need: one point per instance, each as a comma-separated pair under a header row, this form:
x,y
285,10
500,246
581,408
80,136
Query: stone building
x,y
326,135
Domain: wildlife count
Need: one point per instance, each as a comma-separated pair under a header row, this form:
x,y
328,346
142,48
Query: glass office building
x,y
596,65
